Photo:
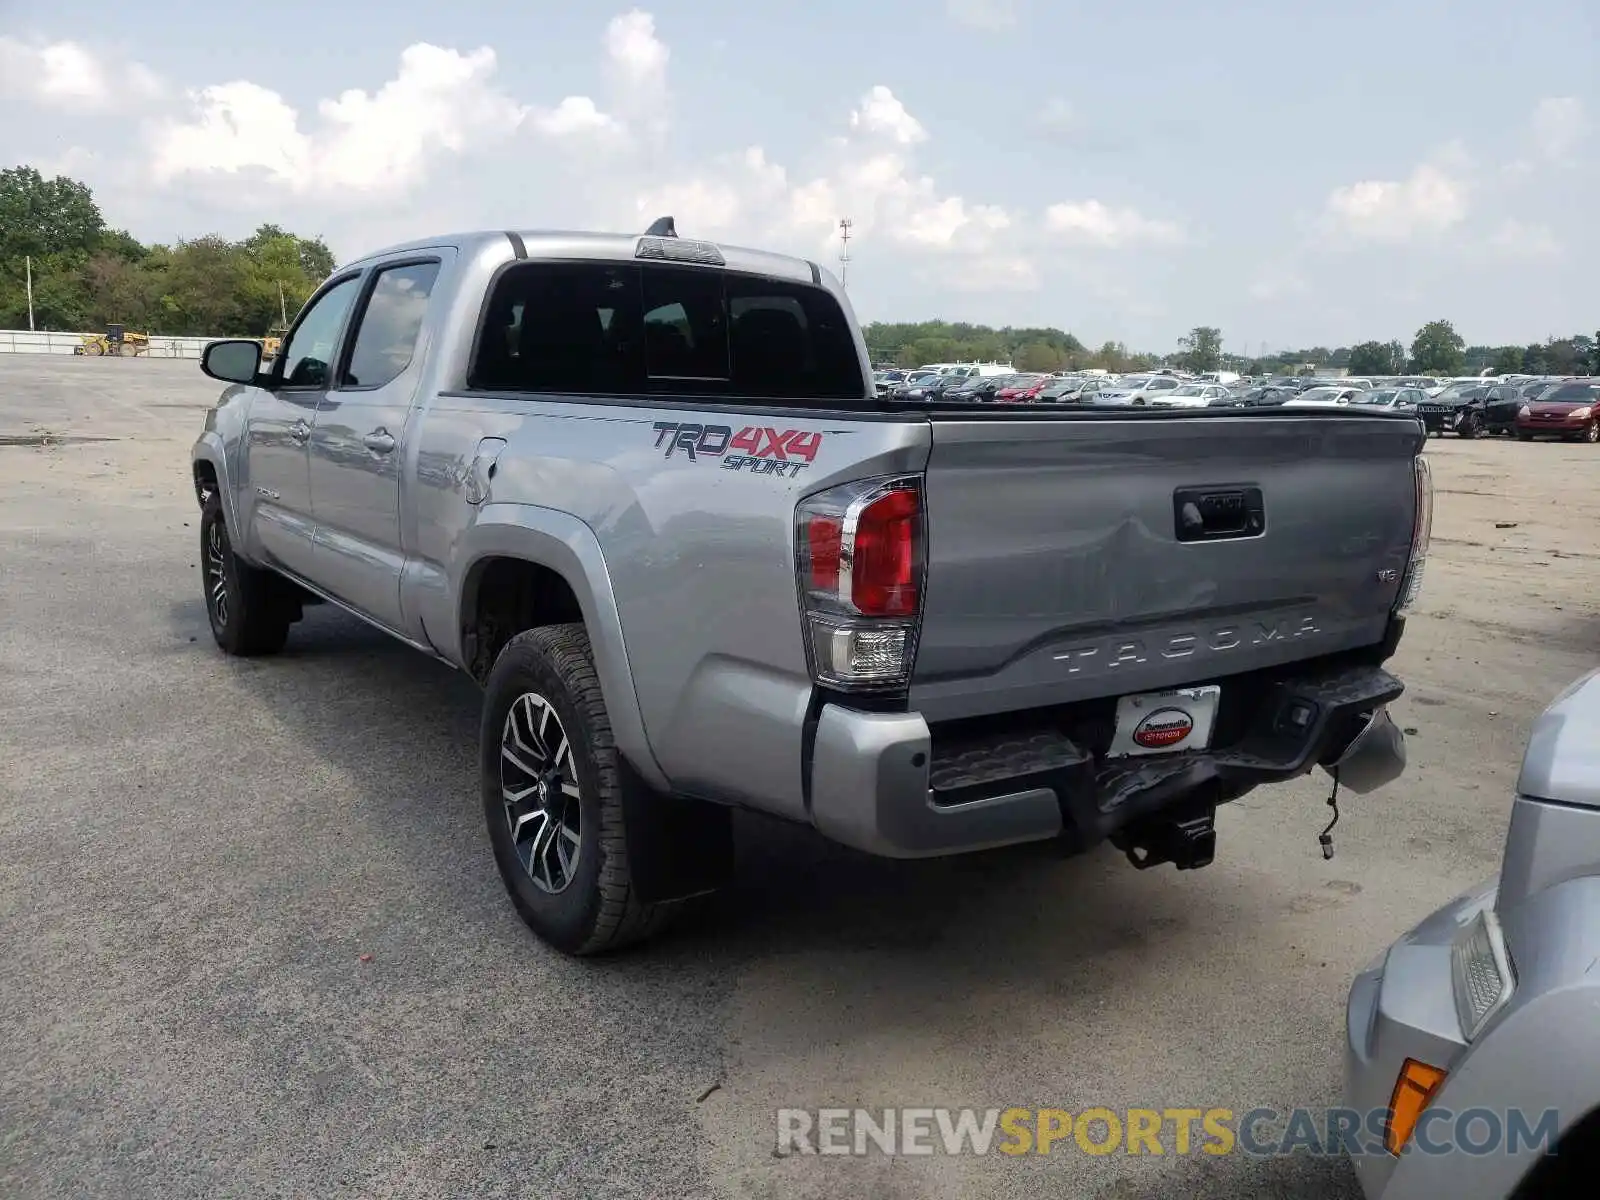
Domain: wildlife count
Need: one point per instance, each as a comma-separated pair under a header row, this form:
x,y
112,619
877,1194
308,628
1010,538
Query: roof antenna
x,y
663,227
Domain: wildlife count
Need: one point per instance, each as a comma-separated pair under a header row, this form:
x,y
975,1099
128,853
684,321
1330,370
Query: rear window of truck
x,y
627,329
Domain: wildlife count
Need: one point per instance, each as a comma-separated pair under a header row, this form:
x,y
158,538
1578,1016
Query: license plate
x,y
1165,722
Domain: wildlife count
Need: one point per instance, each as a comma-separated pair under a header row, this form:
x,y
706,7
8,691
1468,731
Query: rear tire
x,y
249,609
554,791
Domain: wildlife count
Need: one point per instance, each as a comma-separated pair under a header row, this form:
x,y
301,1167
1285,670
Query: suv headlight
x,y
1481,976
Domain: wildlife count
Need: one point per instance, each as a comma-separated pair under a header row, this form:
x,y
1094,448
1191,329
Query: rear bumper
x,y
887,784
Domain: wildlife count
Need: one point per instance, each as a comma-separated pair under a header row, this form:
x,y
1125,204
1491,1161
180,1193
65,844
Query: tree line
x,y
87,274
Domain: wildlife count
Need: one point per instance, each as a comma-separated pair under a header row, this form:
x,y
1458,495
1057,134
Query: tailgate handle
x,y
1208,514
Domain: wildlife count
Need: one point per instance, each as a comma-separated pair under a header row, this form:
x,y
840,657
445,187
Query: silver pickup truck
x,y
641,489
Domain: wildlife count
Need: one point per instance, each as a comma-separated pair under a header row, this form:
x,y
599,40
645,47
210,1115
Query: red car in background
x,y
1569,410
1020,388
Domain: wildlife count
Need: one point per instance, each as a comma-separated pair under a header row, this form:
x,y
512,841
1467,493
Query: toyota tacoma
x,y
642,489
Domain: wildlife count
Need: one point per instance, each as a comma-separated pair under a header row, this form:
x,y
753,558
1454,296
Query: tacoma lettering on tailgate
x,y
1117,652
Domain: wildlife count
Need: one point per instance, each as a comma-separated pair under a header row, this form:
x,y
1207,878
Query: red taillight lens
x,y
823,536
883,577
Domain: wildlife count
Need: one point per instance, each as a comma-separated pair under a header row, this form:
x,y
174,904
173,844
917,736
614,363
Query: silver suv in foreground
x,y
1480,1029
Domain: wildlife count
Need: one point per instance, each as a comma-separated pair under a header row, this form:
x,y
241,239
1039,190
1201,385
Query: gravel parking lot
x,y
254,943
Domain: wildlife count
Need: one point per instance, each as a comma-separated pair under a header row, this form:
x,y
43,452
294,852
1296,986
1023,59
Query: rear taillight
x,y
1421,535
861,561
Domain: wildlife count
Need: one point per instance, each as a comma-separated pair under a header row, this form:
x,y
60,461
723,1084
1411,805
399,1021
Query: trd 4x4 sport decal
x,y
761,450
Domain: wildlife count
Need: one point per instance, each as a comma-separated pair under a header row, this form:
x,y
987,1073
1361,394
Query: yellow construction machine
x,y
115,342
273,342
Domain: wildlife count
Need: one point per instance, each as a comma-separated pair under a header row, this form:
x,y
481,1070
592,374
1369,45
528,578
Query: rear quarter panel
x,y
699,550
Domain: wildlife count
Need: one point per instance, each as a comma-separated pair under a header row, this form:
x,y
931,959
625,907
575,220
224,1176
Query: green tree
x,y
1202,348
1438,349
1375,358
1594,354
40,216
1507,360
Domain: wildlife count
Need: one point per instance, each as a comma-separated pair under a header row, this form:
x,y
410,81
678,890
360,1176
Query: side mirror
x,y
233,360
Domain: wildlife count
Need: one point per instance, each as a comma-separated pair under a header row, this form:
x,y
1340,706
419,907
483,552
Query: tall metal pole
x,y
28,261
283,310
844,250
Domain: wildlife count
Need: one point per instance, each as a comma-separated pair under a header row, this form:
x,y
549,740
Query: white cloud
x,y
378,163
1277,283
983,14
1091,223
575,116
381,142
1520,240
636,54
67,75
882,114
1058,117
1559,126
1387,210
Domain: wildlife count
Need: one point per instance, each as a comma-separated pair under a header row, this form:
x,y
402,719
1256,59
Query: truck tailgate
x,y
1088,556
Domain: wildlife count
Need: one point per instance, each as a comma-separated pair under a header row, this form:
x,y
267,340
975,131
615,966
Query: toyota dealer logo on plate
x,y
1162,728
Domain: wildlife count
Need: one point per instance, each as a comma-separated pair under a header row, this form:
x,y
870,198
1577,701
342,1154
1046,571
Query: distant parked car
x,y
1392,398
928,386
1500,406
1016,388
1069,391
1570,411
1482,1018
1457,408
1324,397
1190,395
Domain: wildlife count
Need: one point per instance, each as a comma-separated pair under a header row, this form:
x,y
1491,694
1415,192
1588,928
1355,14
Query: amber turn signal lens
x,y
1416,1086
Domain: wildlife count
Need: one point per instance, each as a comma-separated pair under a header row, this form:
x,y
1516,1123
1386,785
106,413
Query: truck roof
x,y
617,247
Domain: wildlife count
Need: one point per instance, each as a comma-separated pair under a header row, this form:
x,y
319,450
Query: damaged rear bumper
x,y
887,784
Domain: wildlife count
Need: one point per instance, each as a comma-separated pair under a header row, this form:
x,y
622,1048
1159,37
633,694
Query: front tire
x,y
1470,426
1591,432
553,796
247,607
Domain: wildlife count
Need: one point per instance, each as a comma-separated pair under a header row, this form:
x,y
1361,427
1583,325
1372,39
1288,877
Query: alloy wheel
x,y
217,573
539,785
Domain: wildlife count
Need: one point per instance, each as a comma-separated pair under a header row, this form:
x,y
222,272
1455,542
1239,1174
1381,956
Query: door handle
x,y
379,441
300,431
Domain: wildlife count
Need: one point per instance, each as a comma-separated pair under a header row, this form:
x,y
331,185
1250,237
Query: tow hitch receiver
x,y
1186,838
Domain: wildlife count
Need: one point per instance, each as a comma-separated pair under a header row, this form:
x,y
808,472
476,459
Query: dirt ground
x,y
254,942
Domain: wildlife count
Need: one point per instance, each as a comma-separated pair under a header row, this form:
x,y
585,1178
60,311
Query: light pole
x,y
28,263
844,249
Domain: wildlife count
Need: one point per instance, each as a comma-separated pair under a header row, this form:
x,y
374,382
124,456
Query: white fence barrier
x,y
24,341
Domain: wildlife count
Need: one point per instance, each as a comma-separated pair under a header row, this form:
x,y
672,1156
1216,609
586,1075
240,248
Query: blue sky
x,y
1297,174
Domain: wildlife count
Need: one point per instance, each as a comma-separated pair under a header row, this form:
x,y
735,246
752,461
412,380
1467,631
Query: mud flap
x,y
677,848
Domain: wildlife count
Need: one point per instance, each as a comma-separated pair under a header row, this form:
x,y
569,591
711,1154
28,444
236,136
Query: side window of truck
x,y
307,355
560,327
388,327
